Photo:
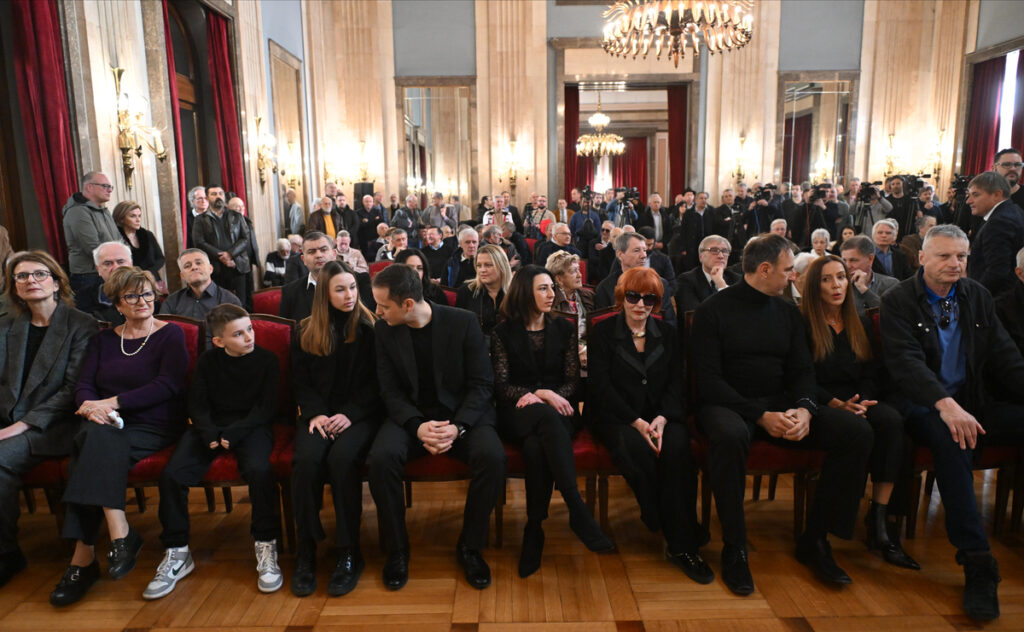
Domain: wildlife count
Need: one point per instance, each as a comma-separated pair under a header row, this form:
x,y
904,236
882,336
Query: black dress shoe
x,y
396,570
533,548
590,534
304,578
74,584
122,554
346,573
693,565
981,585
816,554
478,574
11,563
736,570
884,537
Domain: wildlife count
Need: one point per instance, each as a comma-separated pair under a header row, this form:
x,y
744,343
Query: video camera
x,y
869,191
766,193
820,192
631,195
960,184
912,185
586,192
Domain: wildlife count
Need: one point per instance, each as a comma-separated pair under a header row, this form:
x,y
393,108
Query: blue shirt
x,y
953,372
885,258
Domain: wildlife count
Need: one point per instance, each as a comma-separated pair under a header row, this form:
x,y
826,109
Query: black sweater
x,y
230,397
841,375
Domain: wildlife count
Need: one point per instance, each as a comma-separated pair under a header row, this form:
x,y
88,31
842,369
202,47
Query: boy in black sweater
x,y
231,402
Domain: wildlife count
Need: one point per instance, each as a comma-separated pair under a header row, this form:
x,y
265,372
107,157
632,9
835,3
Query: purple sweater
x,y
149,385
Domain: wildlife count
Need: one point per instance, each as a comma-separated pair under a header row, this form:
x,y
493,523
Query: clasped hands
x,y
98,410
329,427
651,431
545,396
792,425
855,405
437,436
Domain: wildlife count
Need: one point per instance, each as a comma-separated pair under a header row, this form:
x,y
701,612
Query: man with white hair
x,y
369,215
497,215
198,204
696,285
276,264
107,257
293,211
779,227
1010,305
889,259
326,219
200,293
461,264
353,257
561,239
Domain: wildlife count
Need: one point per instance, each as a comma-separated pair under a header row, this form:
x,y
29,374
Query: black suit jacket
x,y
692,288
463,376
1010,308
294,269
46,401
900,264
316,379
296,299
995,246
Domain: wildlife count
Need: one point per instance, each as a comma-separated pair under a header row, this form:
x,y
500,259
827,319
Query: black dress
x,y
480,303
148,256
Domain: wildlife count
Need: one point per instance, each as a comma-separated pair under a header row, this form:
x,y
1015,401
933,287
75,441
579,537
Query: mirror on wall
x,y
437,141
816,131
286,92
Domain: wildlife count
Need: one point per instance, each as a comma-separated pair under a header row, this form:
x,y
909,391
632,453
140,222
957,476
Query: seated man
x,y
889,257
108,256
297,296
437,383
397,241
1010,305
757,381
631,252
560,239
868,286
350,255
460,265
437,251
693,287
200,294
941,335
231,402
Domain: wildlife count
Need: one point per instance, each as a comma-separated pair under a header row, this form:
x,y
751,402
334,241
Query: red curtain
x,y
584,170
1017,135
572,132
229,140
796,149
676,141
630,169
45,117
176,119
983,120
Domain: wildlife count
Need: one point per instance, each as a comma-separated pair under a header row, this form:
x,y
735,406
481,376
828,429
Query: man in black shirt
x,y
1008,163
758,382
437,252
904,208
439,400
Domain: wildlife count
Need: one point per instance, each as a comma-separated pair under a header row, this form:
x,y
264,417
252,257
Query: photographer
x,y
585,223
812,215
762,209
869,207
622,210
904,206
926,203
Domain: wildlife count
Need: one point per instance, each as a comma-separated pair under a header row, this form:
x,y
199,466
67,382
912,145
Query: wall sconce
x,y
890,158
131,132
288,167
511,168
416,186
363,166
265,158
737,172
332,170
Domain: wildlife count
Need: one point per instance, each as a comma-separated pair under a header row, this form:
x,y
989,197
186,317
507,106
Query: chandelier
x,y
635,26
599,144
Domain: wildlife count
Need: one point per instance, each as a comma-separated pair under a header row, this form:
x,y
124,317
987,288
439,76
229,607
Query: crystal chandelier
x,y
635,26
599,144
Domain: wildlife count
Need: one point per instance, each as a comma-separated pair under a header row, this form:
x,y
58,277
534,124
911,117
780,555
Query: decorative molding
x,y
434,81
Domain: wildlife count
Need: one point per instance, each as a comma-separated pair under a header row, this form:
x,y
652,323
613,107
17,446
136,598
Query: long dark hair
x,y
812,306
317,335
519,304
404,255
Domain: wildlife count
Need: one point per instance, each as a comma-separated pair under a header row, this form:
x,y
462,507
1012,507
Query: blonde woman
x,y
484,293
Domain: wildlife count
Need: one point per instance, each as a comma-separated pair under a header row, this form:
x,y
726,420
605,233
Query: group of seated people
x,y
384,371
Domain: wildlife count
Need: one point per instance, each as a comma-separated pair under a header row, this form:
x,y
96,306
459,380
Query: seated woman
x,y
634,384
819,242
130,393
848,378
414,258
42,347
570,295
146,252
334,377
484,293
536,384
844,234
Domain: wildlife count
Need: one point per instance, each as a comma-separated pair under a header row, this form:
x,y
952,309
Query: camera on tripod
x,y
820,192
630,195
869,192
766,193
960,184
912,185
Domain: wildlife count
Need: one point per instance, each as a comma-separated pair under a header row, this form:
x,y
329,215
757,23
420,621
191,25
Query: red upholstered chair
x,y
583,270
449,293
266,301
377,266
49,477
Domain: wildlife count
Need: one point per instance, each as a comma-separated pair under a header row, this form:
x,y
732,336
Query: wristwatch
x,y
462,430
810,405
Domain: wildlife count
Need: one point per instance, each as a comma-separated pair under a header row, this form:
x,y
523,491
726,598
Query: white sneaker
x,y
177,563
271,578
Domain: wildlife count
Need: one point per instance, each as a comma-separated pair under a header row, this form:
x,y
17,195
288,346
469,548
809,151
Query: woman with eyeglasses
x,y
848,378
130,396
42,346
635,381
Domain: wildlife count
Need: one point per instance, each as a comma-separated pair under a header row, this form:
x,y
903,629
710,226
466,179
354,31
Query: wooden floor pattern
x,y
631,590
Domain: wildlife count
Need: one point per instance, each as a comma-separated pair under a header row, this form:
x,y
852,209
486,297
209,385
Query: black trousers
x,y
338,461
665,484
16,458
100,461
892,455
846,440
393,447
189,464
546,440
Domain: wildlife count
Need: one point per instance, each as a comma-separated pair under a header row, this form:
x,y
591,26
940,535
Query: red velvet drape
x,y
983,120
630,169
584,170
572,132
796,150
676,141
179,149
45,117
229,140
1017,134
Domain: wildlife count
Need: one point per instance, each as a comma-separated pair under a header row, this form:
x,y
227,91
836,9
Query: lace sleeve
x,y
507,394
571,365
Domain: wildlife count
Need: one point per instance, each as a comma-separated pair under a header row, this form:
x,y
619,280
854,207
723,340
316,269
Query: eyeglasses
x,y
606,230
37,275
717,251
1008,165
133,299
106,187
946,305
635,297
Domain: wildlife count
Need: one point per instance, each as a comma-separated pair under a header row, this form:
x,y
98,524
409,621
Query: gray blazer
x,y
47,401
880,284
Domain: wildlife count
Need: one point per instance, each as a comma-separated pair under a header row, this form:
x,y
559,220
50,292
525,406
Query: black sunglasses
x,y
635,297
946,305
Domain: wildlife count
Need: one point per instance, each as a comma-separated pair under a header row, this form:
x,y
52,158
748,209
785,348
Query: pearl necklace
x,y
151,322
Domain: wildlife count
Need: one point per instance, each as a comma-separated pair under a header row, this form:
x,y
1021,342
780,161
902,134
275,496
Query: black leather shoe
x,y
346,573
77,580
816,554
693,565
478,574
589,533
303,581
122,554
533,549
11,563
981,586
883,536
736,570
396,570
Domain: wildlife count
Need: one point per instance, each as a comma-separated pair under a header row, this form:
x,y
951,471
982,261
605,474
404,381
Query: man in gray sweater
x,y
87,224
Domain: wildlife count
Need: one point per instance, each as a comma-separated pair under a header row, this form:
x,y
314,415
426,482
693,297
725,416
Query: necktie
x,y
714,288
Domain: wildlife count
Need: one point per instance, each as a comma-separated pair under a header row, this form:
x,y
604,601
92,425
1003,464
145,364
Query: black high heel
x,y
879,539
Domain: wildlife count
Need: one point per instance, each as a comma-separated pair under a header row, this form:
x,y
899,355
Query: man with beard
x,y
223,234
1008,164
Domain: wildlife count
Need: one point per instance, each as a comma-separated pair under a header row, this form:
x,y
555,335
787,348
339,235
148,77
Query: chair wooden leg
x,y
590,493
499,518
408,494
288,514
705,500
773,482
211,499
929,483
140,499
602,493
799,500
757,488
1018,498
228,502
915,505
30,499
1003,477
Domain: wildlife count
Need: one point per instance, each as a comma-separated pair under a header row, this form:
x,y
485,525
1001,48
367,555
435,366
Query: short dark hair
x,y
403,256
1008,150
401,282
647,232
220,316
860,243
213,186
314,235
990,182
765,248
519,304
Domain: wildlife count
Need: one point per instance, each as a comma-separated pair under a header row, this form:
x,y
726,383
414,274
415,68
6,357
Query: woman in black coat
x,y
414,258
536,383
146,251
635,379
334,377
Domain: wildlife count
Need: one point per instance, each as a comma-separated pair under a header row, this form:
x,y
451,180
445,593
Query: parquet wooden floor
x,y
631,590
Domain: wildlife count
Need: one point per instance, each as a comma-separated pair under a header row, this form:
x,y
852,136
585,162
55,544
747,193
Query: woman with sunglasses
x,y
130,396
848,379
634,383
536,383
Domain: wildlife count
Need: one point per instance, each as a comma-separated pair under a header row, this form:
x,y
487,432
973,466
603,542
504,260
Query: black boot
x,y
981,574
887,543
584,526
533,548
303,581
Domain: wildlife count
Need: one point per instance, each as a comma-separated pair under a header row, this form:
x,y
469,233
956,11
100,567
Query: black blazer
x,y
47,401
523,367
622,384
295,268
463,375
900,264
296,300
995,246
317,380
692,288
1010,308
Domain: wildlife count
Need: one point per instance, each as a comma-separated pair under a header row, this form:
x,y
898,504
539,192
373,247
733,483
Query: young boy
x,y
231,401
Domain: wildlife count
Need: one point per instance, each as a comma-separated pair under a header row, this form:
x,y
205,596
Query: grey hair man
x,y
200,293
87,224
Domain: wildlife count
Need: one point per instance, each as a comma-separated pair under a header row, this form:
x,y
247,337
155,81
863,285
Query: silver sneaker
x,y
271,578
177,563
